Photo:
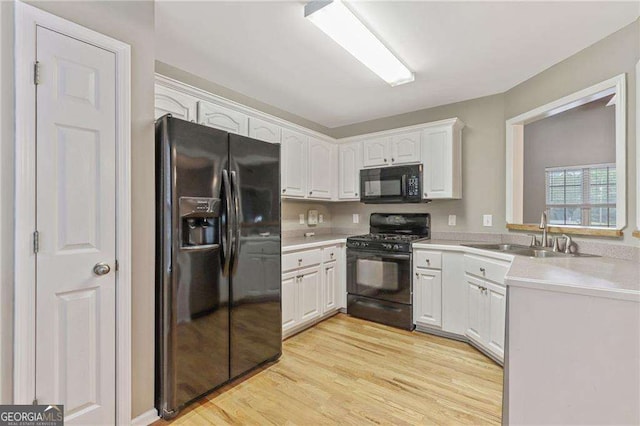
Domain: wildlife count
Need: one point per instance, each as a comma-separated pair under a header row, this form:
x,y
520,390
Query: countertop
x,y
592,276
299,243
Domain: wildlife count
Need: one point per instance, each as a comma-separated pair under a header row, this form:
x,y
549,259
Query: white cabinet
x,y
376,152
294,164
264,130
442,158
179,105
405,148
330,286
313,286
487,303
428,296
427,288
321,169
349,165
213,115
309,294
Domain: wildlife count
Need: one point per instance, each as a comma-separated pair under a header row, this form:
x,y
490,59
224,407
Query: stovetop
x,y
385,242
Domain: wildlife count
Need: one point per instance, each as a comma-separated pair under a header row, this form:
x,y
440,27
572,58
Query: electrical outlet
x,y
452,220
487,220
301,216
321,218
356,218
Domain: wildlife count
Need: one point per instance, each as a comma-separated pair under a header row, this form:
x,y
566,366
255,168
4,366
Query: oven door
x,y
383,276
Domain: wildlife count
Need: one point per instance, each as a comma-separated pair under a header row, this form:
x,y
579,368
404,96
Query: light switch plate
x,y
356,218
487,220
452,220
301,216
321,218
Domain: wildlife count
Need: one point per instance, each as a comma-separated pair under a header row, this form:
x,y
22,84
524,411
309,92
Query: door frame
x,y
27,18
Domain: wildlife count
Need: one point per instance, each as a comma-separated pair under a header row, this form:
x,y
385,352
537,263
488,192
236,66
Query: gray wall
x,y
581,136
611,56
133,22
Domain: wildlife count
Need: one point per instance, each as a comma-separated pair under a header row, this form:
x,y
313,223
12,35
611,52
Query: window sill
x,y
570,230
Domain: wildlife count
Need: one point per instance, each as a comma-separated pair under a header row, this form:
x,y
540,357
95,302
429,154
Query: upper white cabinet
x,y
376,152
321,169
294,164
263,130
349,165
442,158
405,148
222,118
179,105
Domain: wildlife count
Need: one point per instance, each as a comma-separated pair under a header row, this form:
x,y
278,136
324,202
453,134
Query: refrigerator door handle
x,y
227,238
236,204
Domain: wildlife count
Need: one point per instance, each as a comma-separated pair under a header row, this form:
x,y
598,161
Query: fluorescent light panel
x,y
339,23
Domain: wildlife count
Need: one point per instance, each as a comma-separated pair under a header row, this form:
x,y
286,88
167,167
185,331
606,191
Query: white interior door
x,y
76,194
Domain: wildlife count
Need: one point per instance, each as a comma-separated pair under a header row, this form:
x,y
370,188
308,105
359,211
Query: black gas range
x,y
379,279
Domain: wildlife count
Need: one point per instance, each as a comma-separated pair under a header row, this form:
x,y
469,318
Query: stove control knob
x,y
396,247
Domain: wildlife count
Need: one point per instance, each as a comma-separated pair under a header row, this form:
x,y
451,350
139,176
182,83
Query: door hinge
x,y
36,73
36,241
35,401
117,265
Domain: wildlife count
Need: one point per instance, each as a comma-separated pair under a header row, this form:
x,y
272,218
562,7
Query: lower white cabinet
x,y
486,314
330,285
427,288
313,290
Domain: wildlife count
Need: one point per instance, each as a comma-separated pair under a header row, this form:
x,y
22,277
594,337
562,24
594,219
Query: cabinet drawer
x,y
301,259
490,269
330,253
427,259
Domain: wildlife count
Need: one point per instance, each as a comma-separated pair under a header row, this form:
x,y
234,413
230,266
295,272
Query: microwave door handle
x,y
403,184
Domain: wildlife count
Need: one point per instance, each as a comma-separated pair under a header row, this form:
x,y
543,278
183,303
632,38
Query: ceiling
x,y
458,50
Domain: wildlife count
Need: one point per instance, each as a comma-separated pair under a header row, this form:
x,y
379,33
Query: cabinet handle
x,y
310,192
425,194
356,194
284,190
331,255
417,274
299,261
428,261
482,270
385,160
393,159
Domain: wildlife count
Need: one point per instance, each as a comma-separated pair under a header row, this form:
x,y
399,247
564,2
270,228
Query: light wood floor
x,y
349,371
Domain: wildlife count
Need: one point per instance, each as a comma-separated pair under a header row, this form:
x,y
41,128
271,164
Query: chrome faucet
x,y
545,229
567,243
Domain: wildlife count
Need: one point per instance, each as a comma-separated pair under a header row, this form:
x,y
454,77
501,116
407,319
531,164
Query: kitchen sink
x,y
521,250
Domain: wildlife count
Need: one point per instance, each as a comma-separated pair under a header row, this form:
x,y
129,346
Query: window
x,y
581,195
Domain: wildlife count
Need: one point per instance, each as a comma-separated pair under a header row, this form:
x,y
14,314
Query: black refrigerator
x,y
218,244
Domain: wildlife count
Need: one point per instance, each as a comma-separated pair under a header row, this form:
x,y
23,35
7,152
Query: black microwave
x,y
398,184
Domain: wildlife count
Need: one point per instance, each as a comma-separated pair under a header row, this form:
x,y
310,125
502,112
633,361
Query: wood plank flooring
x,y
348,371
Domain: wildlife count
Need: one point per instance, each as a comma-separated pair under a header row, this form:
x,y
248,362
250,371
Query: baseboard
x,y
297,329
146,418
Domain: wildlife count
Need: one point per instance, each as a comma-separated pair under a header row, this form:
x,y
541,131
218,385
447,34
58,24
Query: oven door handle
x,y
376,255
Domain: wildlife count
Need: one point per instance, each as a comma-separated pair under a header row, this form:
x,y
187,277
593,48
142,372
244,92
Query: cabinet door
x,y
321,173
406,148
179,105
222,118
476,310
496,311
330,282
376,152
350,162
263,130
428,297
294,164
309,294
437,157
290,317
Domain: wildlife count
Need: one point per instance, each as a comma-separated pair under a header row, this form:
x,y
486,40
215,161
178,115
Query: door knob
x,y
101,269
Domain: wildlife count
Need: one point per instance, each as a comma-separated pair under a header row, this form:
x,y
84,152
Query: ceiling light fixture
x,y
339,23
